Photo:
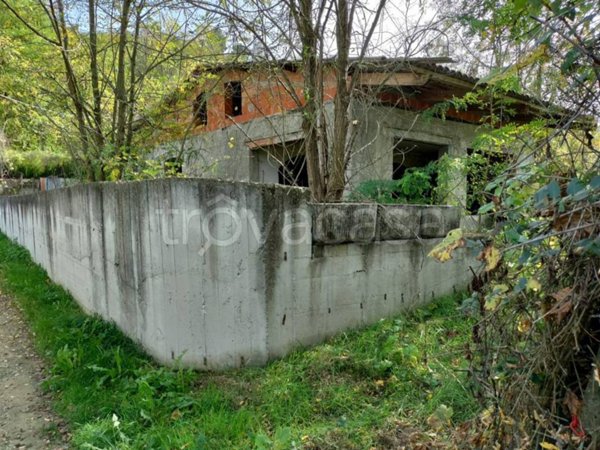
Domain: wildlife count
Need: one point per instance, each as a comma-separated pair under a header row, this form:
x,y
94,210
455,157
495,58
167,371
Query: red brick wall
x,y
263,94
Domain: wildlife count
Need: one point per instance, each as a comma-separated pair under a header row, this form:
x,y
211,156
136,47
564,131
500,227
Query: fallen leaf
x,y
580,224
548,446
524,325
561,295
560,310
573,403
563,304
596,373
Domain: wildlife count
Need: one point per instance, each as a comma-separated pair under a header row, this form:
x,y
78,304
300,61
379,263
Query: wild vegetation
x,y
87,79
415,186
434,182
537,341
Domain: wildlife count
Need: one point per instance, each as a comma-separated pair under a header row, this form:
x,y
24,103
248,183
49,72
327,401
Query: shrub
x,y
415,186
35,164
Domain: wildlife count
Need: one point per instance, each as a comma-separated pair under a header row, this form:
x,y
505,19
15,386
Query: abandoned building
x,y
217,274
244,121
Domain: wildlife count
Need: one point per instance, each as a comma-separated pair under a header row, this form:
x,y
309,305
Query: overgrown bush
x,y
539,335
138,165
35,164
416,186
536,346
481,167
438,181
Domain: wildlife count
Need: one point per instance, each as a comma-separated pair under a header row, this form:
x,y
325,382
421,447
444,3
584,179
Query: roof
x,y
370,64
436,67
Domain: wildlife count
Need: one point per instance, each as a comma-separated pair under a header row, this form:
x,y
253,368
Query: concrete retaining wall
x,y
222,274
15,186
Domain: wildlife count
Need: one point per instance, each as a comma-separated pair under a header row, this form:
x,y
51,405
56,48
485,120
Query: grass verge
x,y
361,390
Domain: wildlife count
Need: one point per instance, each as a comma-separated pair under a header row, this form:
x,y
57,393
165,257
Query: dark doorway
x,y
293,172
409,154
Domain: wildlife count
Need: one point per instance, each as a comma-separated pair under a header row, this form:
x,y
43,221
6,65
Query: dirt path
x,y
26,420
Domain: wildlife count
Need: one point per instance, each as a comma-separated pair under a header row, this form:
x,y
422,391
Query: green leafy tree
x,y
29,119
537,342
102,66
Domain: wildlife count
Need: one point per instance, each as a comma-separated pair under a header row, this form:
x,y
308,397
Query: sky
x,y
406,28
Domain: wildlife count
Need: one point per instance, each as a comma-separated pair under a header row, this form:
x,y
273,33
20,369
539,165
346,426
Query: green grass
x,y
347,393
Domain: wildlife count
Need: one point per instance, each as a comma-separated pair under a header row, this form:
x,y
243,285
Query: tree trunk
x,y
312,98
132,77
120,89
337,181
97,96
60,29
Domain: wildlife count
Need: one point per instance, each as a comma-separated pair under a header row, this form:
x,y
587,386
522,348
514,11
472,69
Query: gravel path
x,y
26,420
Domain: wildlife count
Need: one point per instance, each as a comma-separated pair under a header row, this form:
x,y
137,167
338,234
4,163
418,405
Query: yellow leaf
x,y
491,255
548,446
501,288
443,251
114,175
524,325
533,284
493,299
